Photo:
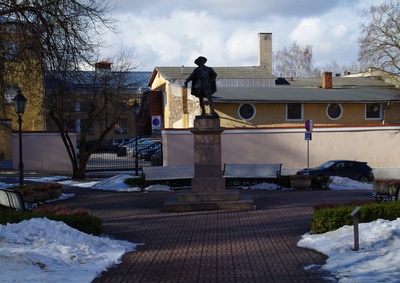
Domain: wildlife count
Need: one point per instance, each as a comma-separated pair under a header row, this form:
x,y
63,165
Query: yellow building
x,y
251,97
19,69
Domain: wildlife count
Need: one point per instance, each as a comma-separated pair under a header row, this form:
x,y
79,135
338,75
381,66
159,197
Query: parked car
x,y
103,146
114,143
356,170
146,153
156,158
130,147
142,144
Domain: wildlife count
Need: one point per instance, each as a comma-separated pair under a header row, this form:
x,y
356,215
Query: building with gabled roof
x,y
264,116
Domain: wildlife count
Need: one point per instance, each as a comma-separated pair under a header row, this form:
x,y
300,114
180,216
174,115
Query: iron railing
x,y
121,158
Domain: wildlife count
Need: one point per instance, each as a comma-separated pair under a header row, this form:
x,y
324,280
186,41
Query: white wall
x,y
379,146
42,151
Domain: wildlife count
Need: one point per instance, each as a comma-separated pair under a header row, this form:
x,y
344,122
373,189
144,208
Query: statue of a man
x,y
203,84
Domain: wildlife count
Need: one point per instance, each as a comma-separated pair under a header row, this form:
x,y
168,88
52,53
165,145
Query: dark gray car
x,y
356,170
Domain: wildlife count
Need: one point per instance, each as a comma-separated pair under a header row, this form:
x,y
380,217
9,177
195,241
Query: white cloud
x,y
176,32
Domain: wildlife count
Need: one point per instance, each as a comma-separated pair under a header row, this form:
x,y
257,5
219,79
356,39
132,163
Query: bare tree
x,y
90,102
342,69
333,66
53,39
48,35
294,61
380,37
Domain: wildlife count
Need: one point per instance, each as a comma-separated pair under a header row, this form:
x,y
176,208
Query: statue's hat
x,y
200,61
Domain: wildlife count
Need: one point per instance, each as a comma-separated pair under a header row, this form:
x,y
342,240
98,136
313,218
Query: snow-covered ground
x,y
40,250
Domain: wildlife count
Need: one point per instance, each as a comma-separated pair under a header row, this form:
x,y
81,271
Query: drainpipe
x,y
384,111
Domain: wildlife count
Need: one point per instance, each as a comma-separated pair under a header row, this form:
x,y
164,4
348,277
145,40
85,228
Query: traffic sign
x,y
307,136
309,125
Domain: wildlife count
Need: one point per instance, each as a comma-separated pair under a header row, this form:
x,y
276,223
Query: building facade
x,y
264,116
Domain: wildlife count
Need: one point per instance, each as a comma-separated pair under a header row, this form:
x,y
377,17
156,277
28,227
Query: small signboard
x,y
309,125
307,136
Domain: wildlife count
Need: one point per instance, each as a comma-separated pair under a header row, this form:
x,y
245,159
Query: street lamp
x,y
19,106
136,114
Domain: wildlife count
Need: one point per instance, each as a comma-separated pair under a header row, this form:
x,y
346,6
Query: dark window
x,y
80,125
121,127
84,107
122,106
70,124
68,106
334,111
294,111
373,111
247,111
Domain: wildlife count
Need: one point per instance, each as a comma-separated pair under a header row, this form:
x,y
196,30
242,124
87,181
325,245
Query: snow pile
x,y
377,259
340,183
41,250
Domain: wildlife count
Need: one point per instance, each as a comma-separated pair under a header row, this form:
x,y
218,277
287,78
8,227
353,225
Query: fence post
x,y
355,214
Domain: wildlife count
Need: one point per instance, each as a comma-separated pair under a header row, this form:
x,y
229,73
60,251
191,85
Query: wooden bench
x,y
12,199
159,173
254,171
237,171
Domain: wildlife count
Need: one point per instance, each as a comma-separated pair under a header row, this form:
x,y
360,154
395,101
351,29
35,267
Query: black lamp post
x,y
136,114
19,107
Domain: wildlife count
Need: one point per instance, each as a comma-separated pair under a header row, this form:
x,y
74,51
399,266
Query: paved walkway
x,y
212,246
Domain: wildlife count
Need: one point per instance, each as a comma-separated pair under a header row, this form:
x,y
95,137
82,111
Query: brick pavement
x,y
212,246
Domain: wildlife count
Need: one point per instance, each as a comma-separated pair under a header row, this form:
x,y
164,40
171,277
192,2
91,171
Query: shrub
x,y
284,181
300,177
389,182
331,218
31,188
320,182
60,210
79,218
135,182
317,182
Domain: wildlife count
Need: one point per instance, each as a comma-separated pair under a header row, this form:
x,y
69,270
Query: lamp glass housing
x,y
19,103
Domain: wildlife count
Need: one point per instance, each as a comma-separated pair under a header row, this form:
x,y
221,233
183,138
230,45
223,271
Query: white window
x,y
247,111
294,112
334,111
373,111
10,92
78,126
11,51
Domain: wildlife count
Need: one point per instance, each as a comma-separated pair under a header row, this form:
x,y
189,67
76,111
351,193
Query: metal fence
x,y
119,158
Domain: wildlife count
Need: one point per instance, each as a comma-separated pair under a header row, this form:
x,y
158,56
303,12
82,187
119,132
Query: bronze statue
x,y
203,84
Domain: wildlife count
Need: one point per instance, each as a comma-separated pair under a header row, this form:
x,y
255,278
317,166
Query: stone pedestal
x,y
207,155
208,190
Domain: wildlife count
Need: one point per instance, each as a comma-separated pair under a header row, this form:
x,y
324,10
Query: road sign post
x,y
308,136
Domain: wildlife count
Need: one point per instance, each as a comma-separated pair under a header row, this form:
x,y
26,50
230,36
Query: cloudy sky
x,y
175,32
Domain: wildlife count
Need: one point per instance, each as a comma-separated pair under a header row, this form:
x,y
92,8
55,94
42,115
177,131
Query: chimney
x,y
265,51
103,66
327,80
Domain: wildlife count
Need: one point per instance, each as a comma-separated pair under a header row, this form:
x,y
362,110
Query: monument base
x,y
208,185
227,200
